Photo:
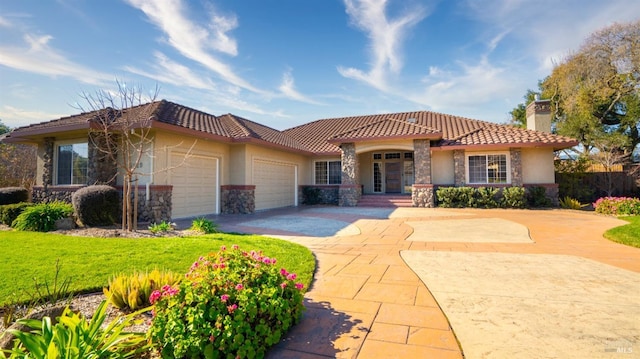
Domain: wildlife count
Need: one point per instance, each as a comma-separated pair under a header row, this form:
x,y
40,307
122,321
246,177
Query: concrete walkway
x,y
366,302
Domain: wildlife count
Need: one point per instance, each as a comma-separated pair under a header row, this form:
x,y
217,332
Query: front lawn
x,y
90,262
629,234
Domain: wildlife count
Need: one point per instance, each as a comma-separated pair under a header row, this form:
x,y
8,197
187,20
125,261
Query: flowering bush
x,y
618,205
231,304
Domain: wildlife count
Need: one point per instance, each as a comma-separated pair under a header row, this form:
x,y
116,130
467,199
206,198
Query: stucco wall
x,y
366,171
442,171
166,143
537,165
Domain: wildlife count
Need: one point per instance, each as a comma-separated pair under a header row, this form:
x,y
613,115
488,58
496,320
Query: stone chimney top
x,y
539,115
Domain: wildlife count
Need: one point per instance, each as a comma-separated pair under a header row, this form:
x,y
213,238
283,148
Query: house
x,y
201,164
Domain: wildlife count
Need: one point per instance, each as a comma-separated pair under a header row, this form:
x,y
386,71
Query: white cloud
x,y
38,57
467,87
169,71
4,22
15,117
385,36
287,88
193,40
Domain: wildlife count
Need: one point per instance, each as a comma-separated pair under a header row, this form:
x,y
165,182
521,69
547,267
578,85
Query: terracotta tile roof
x,y
322,136
233,128
386,128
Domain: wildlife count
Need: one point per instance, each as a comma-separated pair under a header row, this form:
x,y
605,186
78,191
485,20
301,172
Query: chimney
x,y
539,115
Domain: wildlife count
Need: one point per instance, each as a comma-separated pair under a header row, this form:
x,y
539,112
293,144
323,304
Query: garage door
x,y
275,184
194,185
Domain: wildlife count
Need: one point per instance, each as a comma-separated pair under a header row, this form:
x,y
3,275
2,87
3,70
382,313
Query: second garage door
x,y
276,184
194,185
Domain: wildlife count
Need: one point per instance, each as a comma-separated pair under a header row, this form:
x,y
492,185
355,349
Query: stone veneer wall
x,y
423,195
422,164
458,167
327,194
238,199
350,191
156,210
101,168
516,166
47,159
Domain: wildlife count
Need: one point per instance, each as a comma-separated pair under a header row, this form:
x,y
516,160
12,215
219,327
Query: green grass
x,y
629,234
90,262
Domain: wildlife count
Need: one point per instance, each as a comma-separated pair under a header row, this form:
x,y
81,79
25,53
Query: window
x,y
71,167
488,169
328,172
392,156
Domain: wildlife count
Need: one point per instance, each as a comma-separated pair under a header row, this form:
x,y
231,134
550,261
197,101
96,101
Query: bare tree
x,y
611,151
17,165
120,131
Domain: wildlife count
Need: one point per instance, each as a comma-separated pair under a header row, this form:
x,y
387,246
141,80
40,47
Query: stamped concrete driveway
x,y
439,283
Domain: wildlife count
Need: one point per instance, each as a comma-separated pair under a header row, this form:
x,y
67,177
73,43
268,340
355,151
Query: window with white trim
x,y
487,169
328,172
71,163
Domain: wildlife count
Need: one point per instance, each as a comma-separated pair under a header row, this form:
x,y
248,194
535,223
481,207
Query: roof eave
x,y
497,146
155,124
276,146
434,136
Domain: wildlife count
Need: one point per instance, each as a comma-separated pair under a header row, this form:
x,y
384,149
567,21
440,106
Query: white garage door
x,y
275,184
194,185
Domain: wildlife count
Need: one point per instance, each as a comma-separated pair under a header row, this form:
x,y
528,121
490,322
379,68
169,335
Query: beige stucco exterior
x,y
442,171
537,166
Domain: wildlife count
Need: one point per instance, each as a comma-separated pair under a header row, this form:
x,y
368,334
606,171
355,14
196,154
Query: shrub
x,y
42,217
618,206
537,197
9,212
231,304
513,197
204,226
485,197
11,195
74,337
571,203
163,226
456,197
97,205
133,291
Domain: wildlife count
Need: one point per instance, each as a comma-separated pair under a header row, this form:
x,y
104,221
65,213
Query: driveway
x,y
412,282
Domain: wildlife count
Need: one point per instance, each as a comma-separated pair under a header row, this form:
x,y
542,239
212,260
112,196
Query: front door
x,y
393,177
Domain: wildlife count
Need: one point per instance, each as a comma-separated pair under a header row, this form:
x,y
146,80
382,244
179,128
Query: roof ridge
x,y
382,120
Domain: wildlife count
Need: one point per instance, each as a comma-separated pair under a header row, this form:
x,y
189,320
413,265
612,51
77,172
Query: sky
x,y
283,63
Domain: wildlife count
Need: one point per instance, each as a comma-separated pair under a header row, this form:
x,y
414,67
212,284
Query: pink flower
x,y
223,248
236,247
165,287
231,308
266,260
284,272
239,286
273,261
299,286
283,285
155,295
224,298
292,276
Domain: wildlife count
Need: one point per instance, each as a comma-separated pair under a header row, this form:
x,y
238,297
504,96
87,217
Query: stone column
x,y
102,169
47,160
460,174
516,167
350,190
422,194
238,199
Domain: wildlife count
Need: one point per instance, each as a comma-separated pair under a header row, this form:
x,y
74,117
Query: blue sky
x,y
286,62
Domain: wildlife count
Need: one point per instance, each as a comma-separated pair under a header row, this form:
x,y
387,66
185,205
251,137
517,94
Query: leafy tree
x,y
595,92
17,163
